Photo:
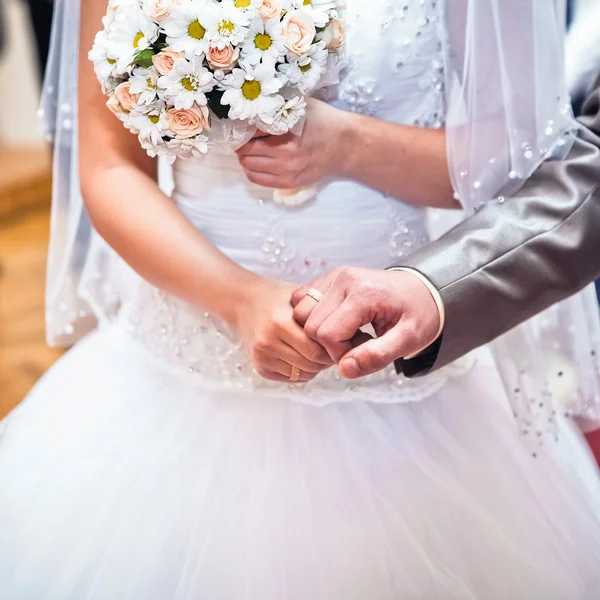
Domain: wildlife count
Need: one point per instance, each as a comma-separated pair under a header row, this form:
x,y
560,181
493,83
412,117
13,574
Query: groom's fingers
x,y
309,349
377,353
303,309
322,310
339,330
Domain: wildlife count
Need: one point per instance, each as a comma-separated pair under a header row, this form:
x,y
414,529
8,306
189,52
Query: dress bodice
x,y
394,73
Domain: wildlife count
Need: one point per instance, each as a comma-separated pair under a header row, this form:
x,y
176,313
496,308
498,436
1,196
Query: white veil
x,y
85,278
508,110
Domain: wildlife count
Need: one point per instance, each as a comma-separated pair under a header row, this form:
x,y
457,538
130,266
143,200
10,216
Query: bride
x,y
168,455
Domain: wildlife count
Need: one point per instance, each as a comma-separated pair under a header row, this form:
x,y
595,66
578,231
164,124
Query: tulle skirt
x,y
120,480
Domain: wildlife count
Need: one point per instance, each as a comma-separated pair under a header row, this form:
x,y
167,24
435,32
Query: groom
x,y
509,260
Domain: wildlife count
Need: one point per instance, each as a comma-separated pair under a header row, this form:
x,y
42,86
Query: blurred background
x,y
25,178
25,189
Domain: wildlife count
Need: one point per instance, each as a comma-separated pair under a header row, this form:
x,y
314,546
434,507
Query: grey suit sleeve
x,y
519,257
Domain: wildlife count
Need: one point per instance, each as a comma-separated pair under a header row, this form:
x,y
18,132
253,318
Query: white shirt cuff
x,y
437,299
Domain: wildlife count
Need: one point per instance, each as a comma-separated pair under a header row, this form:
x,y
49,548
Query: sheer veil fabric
x,y
508,110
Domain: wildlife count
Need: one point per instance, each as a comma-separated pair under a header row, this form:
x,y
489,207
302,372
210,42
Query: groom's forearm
x,y
511,261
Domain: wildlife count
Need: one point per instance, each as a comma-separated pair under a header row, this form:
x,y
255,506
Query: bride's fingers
x,y
258,164
262,146
263,179
277,369
272,375
290,355
296,337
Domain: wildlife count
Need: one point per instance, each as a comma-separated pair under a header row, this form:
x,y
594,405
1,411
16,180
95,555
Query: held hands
x,y
290,161
398,304
279,347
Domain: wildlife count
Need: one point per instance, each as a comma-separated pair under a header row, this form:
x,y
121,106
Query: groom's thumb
x,y
375,354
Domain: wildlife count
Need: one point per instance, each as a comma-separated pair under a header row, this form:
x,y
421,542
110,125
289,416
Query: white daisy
x,y
150,123
248,6
321,10
252,93
113,7
190,27
105,67
132,32
306,71
187,83
145,83
264,42
288,115
232,25
189,147
156,148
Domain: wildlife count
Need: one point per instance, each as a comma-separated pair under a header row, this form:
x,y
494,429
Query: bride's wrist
x,y
347,143
245,290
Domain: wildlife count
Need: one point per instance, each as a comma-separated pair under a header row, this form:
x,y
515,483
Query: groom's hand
x,y
398,304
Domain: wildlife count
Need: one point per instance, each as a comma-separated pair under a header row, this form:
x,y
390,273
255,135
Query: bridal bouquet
x,y
187,76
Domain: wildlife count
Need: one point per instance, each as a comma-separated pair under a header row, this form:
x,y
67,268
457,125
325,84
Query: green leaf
x,y
221,111
144,58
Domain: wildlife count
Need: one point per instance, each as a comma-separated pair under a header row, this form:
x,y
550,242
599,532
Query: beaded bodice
x,y
394,73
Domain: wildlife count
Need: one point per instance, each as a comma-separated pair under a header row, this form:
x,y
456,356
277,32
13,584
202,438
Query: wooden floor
x,y
24,226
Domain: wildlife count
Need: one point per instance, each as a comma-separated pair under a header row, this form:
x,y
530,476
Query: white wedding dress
x,y
151,463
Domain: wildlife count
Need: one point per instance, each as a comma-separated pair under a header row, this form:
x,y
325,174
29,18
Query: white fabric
x,y
129,481
151,463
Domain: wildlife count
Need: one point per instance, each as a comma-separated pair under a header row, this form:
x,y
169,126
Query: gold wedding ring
x,y
295,376
315,294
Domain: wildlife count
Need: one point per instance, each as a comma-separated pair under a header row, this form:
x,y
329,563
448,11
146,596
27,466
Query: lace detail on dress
x,y
405,46
201,347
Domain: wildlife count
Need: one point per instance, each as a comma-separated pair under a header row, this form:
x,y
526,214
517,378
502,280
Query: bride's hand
x,y
290,161
275,342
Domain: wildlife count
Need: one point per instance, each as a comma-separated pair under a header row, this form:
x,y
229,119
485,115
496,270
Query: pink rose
x,y
188,122
298,31
270,9
159,10
224,59
126,99
334,35
165,60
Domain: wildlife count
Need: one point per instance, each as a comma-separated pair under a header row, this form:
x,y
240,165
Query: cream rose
x,y
113,105
224,59
165,60
126,99
298,31
188,122
334,35
270,9
159,10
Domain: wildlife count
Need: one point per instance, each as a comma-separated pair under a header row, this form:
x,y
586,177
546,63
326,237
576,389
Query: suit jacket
x,y
520,257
